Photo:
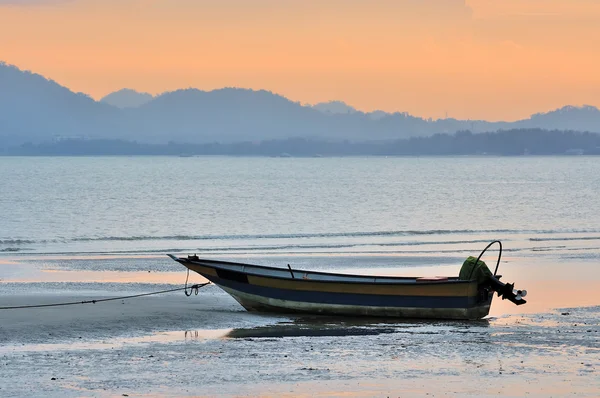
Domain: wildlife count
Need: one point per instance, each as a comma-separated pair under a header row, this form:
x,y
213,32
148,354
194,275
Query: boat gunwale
x,y
390,278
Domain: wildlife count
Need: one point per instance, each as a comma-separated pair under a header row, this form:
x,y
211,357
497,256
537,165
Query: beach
x,y
208,345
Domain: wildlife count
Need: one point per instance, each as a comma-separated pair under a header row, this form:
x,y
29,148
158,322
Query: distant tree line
x,y
504,143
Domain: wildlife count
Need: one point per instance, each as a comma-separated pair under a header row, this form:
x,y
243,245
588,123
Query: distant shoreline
x,y
520,142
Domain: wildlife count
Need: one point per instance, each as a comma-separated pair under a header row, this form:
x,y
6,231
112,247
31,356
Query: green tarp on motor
x,y
475,270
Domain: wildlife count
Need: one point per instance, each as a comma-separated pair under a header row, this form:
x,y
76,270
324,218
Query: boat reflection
x,y
321,326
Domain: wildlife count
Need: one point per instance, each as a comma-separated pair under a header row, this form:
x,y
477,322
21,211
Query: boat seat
x,y
433,279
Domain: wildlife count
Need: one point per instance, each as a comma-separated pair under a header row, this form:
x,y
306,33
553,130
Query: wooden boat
x,y
271,289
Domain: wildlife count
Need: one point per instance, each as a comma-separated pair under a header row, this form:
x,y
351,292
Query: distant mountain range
x,y
36,109
334,108
127,98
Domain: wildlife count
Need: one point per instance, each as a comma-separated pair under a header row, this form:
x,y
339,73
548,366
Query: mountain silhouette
x,y
224,115
585,118
127,98
35,109
334,107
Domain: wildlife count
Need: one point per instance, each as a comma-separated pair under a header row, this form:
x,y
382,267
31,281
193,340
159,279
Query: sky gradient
x,y
475,59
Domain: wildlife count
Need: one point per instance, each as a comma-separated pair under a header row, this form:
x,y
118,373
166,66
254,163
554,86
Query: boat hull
x,y
253,302
264,289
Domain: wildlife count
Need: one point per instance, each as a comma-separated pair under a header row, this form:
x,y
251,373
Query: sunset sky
x,y
475,59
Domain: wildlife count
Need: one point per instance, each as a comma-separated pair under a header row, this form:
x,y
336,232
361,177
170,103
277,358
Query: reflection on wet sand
x,y
324,326
538,354
67,256
547,295
57,275
294,331
111,343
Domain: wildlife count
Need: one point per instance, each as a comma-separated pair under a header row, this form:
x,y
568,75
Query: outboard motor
x,y
475,269
508,291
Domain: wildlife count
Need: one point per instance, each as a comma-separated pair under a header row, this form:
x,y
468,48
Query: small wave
x,y
11,249
570,238
328,235
283,236
357,234
335,246
278,248
17,241
253,236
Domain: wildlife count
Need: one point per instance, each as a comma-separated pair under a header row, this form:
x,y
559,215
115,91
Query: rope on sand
x,y
192,289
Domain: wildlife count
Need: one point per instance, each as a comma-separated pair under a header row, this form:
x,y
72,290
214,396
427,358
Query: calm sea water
x,y
538,206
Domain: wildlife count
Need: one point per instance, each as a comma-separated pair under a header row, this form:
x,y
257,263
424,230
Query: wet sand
x,y
207,345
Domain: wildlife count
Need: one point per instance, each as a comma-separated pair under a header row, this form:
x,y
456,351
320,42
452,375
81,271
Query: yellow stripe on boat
x,y
439,290
202,270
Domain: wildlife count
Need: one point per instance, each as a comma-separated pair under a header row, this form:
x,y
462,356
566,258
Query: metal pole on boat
x,y
291,272
499,255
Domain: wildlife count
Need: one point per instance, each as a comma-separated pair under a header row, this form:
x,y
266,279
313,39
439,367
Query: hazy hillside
x,y
36,109
585,118
127,98
334,107
224,115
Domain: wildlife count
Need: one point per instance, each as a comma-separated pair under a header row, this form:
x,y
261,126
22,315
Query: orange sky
x,y
490,59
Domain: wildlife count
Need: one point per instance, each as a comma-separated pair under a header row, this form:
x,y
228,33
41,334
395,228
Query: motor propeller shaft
x,y
508,291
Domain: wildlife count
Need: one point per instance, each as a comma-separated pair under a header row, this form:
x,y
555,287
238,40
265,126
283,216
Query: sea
x,y
82,228
538,206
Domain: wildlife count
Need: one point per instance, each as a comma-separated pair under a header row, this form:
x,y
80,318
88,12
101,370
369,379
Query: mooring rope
x,y
192,289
